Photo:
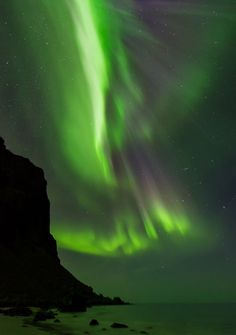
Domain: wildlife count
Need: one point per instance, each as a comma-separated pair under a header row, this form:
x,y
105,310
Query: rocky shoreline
x,y
53,321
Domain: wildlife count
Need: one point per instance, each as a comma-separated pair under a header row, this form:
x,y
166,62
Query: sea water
x,y
174,319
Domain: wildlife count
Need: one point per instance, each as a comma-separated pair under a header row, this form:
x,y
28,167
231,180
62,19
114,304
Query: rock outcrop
x,y
30,270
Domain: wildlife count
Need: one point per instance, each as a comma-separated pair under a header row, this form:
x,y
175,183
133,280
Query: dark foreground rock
x,y
94,322
43,315
119,325
31,273
57,321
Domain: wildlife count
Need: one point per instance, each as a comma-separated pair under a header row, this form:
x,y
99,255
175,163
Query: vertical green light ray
x,y
95,68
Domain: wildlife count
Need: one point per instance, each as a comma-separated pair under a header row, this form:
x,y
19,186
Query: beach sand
x,y
71,324
15,326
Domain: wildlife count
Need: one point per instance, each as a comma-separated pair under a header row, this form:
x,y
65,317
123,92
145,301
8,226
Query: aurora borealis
x,y
128,107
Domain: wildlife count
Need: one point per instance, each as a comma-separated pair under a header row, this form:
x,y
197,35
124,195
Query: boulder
x,y
43,315
94,322
118,325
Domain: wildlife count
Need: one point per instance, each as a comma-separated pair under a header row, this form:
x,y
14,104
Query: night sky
x,y
129,107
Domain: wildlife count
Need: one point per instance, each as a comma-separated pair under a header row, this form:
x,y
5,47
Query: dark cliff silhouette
x,y
30,270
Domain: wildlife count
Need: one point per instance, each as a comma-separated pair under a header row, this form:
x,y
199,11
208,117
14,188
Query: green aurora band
x,y
99,118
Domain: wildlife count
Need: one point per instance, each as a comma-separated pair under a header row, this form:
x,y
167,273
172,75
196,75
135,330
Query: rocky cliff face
x,y
24,205
30,270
